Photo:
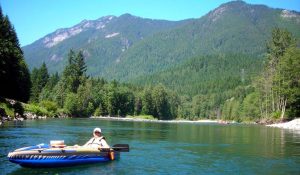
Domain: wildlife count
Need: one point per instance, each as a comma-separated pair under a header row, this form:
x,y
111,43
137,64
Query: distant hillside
x,y
234,27
103,41
207,74
129,47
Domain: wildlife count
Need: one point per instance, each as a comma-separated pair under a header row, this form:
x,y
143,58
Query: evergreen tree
x,y
79,62
35,86
161,103
111,100
287,81
138,105
72,77
44,75
250,106
39,79
14,73
147,102
47,92
74,72
272,99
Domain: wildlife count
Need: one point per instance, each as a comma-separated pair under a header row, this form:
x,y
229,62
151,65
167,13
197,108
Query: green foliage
x,y
36,109
207,74
7,108
145,117
118,100
231,109
47,91
70,104
39,78
97,112
281,40
84,100
11,108
14,75
147,102
278,86
288,77
49,106
250,106
138,106
161,103
185,109
74,72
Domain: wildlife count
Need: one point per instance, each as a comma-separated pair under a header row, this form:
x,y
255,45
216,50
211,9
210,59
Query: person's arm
x,y
87,143
104,144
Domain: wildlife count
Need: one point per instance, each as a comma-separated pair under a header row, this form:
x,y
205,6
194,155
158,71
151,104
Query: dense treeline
x,y
14,74
76,94
211,85
279,84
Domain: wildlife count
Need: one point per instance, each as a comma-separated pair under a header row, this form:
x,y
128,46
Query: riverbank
x,y
12,110
293,125
154,120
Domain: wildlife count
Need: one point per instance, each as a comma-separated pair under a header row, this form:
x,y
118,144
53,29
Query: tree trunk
x,y
283,109
273,100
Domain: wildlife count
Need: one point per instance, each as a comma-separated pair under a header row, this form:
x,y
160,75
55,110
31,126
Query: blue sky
x,y
34,19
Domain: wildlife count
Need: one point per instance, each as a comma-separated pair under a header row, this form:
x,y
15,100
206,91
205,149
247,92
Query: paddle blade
x,y
121,147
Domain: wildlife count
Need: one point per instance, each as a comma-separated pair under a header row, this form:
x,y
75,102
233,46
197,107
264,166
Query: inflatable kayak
x,y
43,155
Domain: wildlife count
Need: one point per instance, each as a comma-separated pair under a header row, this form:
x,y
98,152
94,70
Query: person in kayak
x,y
98,141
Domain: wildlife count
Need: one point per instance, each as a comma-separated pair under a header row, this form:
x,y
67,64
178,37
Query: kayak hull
x,y
59,157
54,162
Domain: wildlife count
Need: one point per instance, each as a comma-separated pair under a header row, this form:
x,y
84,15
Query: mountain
x,y
234,27
103,41
128,47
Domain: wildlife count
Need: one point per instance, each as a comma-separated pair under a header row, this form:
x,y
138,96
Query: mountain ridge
x,y
238,30
128,47
106,37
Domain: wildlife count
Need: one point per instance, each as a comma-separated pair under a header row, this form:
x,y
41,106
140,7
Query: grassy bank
x,y
10,109
7,108
144,117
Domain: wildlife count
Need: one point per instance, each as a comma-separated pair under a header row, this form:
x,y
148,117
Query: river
x,y
162,148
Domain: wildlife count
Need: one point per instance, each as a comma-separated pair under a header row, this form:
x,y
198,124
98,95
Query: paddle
x,y
118,147
121,147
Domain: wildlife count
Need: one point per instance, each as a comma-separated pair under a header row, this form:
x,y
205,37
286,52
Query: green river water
x,y
162,148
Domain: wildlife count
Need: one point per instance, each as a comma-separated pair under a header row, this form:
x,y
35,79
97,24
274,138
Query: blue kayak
x,y
43,155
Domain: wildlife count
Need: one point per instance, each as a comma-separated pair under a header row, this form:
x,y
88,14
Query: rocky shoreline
x,y
26,116
292,125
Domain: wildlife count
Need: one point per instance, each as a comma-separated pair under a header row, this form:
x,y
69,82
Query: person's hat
x,y
97,130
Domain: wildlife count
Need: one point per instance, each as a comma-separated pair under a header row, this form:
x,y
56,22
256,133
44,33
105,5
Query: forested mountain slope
x,y
234,27
207,74
103,41
127,47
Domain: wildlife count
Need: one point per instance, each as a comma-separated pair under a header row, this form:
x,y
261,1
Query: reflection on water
x,y
159,148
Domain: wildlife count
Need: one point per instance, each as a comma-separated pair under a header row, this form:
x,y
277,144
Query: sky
x,y
33,19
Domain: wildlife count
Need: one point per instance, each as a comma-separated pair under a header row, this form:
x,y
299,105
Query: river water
x,y
162,148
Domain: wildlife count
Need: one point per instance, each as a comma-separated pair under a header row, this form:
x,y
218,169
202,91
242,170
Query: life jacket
x,y
97,141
